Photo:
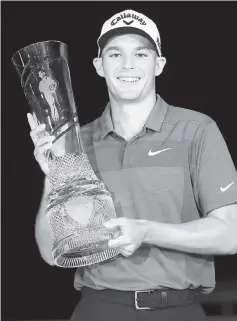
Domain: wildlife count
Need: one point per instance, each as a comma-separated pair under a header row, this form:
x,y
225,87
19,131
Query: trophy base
x,y
71,252
78,206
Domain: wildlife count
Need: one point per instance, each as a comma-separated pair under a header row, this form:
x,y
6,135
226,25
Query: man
x,y
173,181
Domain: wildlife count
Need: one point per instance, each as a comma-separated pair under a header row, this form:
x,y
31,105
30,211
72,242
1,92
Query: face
x,y
129,65
42,74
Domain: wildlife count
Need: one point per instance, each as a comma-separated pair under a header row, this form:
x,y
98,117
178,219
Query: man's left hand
x,y
133,234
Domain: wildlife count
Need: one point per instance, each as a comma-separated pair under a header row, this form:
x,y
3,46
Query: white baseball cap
x,y
129,21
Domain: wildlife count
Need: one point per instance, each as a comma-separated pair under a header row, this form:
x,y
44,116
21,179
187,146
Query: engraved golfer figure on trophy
x,y
79,202
48,87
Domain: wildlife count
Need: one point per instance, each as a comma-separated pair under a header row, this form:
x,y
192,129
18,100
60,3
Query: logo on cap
x,y
158,42
128,23
125,16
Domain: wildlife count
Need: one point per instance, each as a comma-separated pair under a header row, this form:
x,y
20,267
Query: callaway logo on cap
x,y
130,21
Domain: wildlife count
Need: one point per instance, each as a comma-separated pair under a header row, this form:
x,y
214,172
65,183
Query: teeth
x,y
129,79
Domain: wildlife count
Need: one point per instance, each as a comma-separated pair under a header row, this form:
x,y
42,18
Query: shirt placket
x,y
125,152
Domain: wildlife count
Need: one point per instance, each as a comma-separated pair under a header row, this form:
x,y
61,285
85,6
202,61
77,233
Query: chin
x,y
129,96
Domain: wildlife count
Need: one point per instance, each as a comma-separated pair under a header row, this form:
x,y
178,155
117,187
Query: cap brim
x,y
102,41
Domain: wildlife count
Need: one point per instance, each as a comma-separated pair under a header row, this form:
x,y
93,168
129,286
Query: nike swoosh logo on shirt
x,y
157,152
223,189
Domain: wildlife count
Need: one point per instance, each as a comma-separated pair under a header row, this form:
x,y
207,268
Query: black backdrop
x,y
199,42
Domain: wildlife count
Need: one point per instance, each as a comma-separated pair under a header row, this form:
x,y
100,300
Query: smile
x,y
129,79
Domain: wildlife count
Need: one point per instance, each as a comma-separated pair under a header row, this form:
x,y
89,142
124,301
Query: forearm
x,y
208,236
42,232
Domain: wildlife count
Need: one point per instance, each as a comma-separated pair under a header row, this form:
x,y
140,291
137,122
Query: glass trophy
x,y
79,202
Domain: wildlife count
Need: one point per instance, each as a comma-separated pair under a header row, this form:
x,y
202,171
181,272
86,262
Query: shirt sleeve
x,y
216,176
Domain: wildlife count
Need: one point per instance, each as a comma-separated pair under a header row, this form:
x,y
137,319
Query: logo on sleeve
x,y
223,189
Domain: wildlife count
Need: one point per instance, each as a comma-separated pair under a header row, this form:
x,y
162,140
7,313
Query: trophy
x,y
79,202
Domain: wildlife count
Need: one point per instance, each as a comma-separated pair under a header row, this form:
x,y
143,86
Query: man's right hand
x,y
42,142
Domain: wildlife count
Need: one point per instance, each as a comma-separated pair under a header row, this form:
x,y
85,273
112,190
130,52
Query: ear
x,y
97,62
160,64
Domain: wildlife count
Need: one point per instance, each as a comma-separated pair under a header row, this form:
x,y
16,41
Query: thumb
x,y
114,222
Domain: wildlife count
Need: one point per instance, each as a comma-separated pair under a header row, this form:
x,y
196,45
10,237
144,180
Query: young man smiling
x,y
173,181
129,63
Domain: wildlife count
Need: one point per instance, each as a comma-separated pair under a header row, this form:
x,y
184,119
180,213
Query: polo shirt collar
x,y
157,115
107,125
154,121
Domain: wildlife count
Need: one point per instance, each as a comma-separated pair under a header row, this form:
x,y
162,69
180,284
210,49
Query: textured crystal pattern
x,y
69,167
78,205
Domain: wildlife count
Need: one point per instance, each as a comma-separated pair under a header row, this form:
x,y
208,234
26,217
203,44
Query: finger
x,y
31,121
118,242
44,140
116,233
114,222
125,252
39,151
35,119
38,131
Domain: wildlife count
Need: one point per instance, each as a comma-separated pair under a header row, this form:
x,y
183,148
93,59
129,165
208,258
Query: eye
x,y
114,55
142,55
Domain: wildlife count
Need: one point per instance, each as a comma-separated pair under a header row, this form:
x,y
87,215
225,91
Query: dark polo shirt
x,y
176,170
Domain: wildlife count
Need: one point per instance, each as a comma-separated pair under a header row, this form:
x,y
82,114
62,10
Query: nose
x,y
128,62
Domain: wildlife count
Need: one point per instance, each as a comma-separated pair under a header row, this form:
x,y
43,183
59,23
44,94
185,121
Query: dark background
x,y
199,42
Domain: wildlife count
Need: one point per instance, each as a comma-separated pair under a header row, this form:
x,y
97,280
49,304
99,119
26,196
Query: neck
x,y
129,118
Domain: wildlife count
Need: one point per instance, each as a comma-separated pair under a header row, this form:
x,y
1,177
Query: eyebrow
x,y
119,48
